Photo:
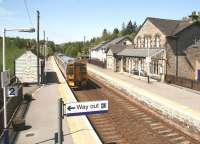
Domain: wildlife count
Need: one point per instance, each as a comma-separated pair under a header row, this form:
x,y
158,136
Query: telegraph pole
x,y
84,46
44,43
38,47
43,63
45,58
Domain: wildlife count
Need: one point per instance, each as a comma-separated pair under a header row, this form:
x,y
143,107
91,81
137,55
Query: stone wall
x,y
110,63
149,29
186,63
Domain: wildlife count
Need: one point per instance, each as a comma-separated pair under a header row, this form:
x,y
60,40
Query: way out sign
x,y
86,108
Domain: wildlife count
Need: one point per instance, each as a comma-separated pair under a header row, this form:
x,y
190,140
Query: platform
x,y
42,114
174,102
41,118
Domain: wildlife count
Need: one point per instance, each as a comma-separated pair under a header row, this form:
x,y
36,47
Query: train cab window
x,y
70,70
83,69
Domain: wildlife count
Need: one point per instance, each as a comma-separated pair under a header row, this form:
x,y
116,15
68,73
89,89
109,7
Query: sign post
x,y
60,117
5,78
148,60
77,109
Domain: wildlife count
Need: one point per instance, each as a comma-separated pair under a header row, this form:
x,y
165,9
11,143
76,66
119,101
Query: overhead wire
x,y
28,13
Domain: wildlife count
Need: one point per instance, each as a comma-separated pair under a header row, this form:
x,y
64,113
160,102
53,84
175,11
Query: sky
x,y
71,20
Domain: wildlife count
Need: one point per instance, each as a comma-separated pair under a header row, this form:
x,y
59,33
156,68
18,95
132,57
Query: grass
x,y
11,54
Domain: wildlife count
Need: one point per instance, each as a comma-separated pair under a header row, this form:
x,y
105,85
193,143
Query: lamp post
x,y
148,67
4,68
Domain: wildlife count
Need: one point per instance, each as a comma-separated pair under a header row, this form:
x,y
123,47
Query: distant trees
x,y
195,16
51,47
106,35
72,49
77,48
115,33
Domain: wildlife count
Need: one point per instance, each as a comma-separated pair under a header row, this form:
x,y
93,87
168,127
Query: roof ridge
x,y
164,19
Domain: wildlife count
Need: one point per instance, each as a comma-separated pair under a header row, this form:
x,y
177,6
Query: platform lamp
x,y
30,30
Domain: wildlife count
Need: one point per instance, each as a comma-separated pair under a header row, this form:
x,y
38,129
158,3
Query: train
x,y
74,70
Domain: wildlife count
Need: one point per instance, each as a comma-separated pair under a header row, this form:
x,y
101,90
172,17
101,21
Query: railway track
x,y
126,122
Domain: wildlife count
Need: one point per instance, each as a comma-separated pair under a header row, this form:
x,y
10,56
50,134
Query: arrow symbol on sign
x,y
70,108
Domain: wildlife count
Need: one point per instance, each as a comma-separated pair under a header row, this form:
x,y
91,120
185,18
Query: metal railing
x,y
97,62
184,82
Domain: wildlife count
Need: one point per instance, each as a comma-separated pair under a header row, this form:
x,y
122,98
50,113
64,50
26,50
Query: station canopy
x,y
140,52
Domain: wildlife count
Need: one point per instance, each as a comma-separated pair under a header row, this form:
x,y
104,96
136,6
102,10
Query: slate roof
x,y
182,26
139,52
99,45
170,27
106,44
116,48
115,41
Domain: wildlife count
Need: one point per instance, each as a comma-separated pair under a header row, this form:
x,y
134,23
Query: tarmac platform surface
x,y
42,115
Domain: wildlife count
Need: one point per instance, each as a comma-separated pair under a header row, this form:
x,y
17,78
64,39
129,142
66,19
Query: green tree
x,y
129,28
105,35
135,27
195,16
115,33
123,30
52,48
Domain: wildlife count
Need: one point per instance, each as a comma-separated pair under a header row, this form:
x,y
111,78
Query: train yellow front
x,y
74,70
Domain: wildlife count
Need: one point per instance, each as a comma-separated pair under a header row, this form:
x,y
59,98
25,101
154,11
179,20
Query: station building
x,y
161,47
99,52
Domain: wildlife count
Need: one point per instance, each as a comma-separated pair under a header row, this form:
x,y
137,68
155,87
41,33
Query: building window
x,y
139,42
145,42
149,42
157,41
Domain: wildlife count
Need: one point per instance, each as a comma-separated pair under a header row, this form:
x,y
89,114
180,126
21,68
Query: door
x,y
199,74
118,64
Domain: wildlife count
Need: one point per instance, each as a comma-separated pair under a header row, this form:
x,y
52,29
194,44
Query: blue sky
x,y
70,20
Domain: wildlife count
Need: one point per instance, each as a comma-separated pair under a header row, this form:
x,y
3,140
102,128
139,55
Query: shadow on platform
x,y
52,78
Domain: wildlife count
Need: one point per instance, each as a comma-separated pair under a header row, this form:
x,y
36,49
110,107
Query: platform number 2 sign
x,y
12,91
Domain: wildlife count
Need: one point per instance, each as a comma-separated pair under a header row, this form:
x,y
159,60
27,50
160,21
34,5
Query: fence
x,y
192,84
11,104
97,62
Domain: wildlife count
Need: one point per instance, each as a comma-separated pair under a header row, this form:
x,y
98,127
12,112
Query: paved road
x,y
42,115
